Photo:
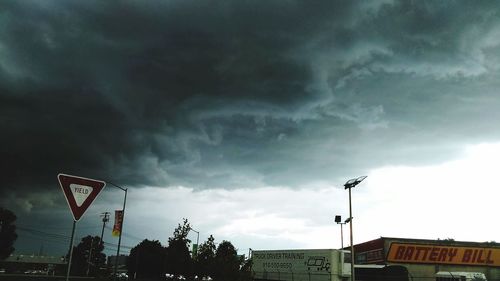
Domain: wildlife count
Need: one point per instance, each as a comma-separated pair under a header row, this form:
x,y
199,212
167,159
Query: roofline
x,y
490,243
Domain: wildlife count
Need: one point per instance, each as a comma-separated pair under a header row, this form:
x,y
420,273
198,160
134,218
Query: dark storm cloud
x,y
88,85
215,94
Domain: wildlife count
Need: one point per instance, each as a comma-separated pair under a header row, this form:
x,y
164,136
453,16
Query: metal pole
x,y
90,256
197,242
341,236
71,250
352,244
120,237
137,256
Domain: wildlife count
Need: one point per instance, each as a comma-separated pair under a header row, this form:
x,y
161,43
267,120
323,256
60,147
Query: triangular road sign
x,y
79,192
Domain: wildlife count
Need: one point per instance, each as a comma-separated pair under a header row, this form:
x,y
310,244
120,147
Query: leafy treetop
x,y
181,232
7,232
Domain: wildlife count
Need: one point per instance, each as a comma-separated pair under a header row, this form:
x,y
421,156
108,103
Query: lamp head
x,y
353,182
338,219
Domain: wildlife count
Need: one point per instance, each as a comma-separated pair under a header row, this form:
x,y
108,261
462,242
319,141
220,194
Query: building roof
x,y
451,242
35,259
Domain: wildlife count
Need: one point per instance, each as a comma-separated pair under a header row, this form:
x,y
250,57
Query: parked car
x,y
119,276
169,276
204,278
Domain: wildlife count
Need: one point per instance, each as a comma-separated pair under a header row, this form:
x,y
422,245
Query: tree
x,y
181,232
7,233
227,262
88,257
146,260
246,271
205,259
178,257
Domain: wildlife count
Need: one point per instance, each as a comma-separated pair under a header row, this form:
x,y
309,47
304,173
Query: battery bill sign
x,y
441,254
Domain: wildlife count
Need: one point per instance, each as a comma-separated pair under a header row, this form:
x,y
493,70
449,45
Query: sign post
x,y
79,193
71,250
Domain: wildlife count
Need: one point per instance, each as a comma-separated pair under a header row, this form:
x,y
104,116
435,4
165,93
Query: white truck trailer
x,y
301,265
460,276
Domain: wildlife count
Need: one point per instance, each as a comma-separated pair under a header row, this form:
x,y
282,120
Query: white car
x,y
121,276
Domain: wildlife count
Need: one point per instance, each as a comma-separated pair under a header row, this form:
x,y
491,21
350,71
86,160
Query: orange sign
x,y
442,254
117,228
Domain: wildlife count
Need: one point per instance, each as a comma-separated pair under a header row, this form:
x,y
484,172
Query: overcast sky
x,y
247,117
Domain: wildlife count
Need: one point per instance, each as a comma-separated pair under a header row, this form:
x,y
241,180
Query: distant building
x,y
425,258
33,264
122,263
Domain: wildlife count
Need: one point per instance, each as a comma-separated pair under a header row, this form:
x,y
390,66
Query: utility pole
x,y
105,219
90,256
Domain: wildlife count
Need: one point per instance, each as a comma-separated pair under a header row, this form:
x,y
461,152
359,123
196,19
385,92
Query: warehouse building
x,y
428,259
33,264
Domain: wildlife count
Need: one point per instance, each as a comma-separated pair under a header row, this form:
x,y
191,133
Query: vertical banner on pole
x,y
117,228
195,249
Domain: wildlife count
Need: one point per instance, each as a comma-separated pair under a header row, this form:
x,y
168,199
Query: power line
x,y
127,235
116,245
59,238
55,227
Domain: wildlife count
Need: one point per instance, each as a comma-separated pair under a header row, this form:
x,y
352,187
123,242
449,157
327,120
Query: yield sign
x,y
79,192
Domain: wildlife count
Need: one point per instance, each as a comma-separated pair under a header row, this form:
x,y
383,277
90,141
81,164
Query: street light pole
x,y
349,185
352,244
197,240
89,260
121,230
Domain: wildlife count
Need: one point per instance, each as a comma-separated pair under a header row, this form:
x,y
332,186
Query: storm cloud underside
x,y
239,95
